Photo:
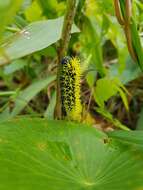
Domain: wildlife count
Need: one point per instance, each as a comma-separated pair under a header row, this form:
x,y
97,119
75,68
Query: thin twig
x,y
128,8
126,22
62,50
127,28
118,12
129,41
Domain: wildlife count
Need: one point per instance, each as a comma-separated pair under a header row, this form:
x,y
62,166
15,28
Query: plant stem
x,y
62,50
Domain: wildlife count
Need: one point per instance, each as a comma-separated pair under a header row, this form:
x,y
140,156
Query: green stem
x,y
63,46
8,93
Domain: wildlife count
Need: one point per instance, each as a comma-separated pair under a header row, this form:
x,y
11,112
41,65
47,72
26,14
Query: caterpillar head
x,y
70,88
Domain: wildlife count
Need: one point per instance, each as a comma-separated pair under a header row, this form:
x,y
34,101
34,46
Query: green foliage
x,y
91,41
137,44
25,96
36,153
15,66
33,12
8,93
8,9
52,8
49,113
128,73
100,43
106,88
109,117
135,38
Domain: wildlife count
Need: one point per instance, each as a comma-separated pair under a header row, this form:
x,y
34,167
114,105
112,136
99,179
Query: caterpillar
x,y
70,88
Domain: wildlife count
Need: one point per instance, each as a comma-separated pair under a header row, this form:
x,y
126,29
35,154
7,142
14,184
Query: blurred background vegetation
x,y
111,82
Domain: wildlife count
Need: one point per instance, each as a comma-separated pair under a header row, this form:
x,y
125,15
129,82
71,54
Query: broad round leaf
x,y
55,155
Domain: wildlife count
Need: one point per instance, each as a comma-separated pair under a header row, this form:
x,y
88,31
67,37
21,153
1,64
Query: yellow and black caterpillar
x,y
70,88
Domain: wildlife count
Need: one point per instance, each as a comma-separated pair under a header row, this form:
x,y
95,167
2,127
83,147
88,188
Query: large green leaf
x,y
57,155
32,38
